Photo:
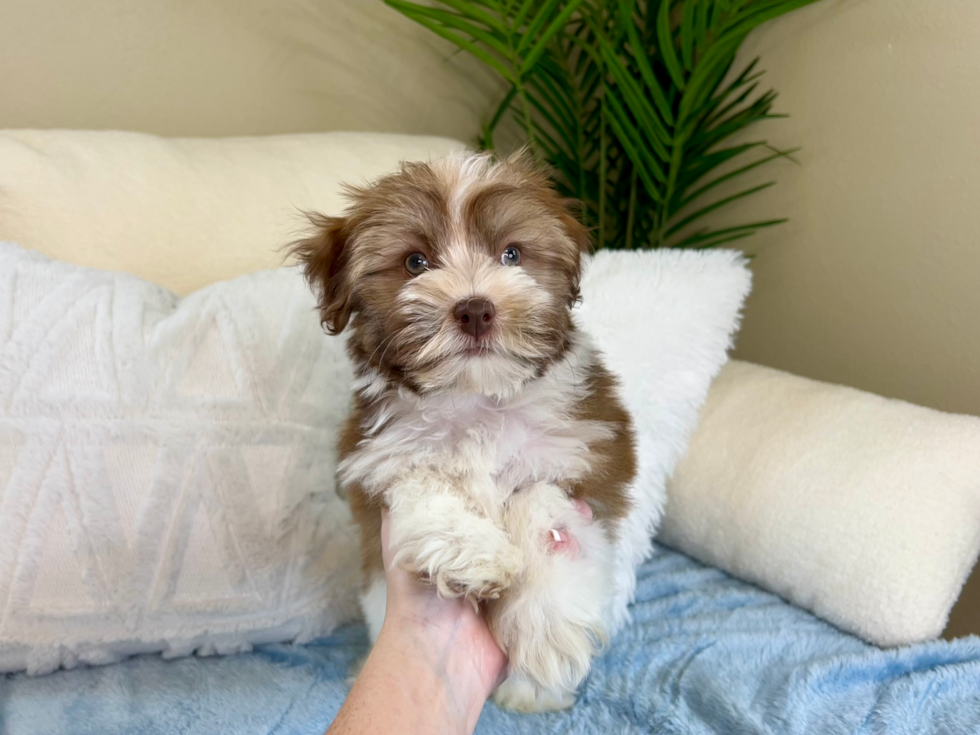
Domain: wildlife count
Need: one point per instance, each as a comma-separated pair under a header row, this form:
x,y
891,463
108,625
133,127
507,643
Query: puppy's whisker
x,y
382,360
387,339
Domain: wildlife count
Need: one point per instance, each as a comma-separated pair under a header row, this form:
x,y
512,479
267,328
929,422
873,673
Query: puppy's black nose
x,y
475,316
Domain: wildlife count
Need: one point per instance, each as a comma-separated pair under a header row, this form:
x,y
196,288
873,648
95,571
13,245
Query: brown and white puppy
x,y
482,416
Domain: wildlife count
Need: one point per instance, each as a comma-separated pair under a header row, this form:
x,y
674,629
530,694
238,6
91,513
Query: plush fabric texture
x,y
182,212
705,655
166,465
664,320
862,509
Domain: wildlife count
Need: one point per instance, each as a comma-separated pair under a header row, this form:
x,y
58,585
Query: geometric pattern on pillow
x,y
166,466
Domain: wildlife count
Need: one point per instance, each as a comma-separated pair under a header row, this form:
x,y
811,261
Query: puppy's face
x,y
454,275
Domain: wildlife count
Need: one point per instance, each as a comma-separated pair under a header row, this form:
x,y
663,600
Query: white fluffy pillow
x,y
166,465
665,320
862,509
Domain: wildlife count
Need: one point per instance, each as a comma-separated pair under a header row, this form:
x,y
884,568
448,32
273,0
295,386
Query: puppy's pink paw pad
x,y
561,542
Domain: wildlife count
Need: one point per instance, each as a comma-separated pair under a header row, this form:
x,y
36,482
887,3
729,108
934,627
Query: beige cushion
x,y
862,509
181,212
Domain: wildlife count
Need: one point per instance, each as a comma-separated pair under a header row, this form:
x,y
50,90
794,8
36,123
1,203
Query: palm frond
x,y
633,103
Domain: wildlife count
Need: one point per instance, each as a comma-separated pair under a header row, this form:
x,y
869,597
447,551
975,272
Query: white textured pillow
x,y
862,509
182,212
166,466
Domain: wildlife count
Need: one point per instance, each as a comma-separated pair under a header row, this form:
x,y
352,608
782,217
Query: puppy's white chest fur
x,y
500,444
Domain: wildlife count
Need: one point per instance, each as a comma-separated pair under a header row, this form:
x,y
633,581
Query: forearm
x,y
409,687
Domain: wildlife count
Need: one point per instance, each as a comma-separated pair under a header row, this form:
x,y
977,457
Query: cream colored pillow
x,y
181,212
863,509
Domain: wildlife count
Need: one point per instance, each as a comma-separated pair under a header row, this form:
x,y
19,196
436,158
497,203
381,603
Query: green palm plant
x,y
632,102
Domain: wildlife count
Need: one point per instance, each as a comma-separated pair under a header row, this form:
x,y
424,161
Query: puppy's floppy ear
x,y
324,256
578,234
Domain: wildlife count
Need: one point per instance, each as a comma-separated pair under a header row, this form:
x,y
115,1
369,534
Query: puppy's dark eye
x,y
510,256
416,264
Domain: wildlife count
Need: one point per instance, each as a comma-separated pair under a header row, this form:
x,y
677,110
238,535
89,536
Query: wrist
x,y
442,662
444,648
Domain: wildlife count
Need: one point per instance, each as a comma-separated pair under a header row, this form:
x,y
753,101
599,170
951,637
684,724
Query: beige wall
x,y
876,281
233,67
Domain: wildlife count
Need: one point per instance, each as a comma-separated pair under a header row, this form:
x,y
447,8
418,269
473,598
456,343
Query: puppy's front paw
x,y
474,569
551,622
479,565
520,695
556,655
482,580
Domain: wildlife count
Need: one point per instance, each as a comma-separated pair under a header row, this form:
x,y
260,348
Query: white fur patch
x,y
519,440
555,615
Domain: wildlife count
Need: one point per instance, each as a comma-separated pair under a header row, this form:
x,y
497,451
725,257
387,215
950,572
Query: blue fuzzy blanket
x,y
705,654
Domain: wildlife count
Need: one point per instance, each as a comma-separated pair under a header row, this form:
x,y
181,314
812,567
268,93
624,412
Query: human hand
x,y
435,662
449,634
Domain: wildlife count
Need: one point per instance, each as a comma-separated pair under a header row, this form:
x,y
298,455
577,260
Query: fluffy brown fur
x,y
478,441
